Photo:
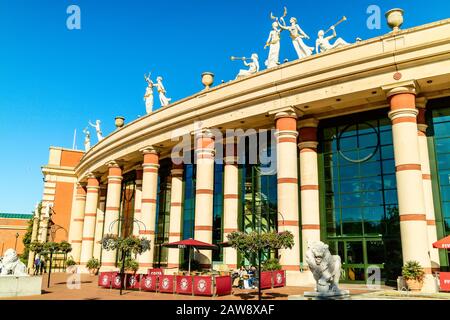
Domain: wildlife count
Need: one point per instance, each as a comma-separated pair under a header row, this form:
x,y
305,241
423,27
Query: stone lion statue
x,y
326,268
11,265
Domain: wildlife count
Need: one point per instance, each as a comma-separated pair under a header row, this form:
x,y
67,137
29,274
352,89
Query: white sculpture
x,y
148,96
11,265
97,129
297,35
162,92
87,139
48,210
253,67
326,268
323,43
273,42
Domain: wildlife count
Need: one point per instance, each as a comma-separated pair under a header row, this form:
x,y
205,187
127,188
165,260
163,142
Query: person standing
x,y
42,266
37,264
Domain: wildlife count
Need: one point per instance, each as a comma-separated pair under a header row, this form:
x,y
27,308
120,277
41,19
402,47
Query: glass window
x,y
375,252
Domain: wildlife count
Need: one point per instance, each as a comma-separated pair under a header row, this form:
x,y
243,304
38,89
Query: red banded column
x,y
230,201
137,201
309,182
426,179
99,223
287,186
148,204
176,212
413,224
204,193
90,215
76,223
112,212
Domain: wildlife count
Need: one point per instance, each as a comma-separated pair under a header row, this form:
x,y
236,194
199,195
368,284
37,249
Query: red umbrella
x,y
189,243
443,243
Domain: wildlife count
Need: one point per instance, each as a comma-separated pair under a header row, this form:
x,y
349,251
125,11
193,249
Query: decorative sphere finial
x,y
207,79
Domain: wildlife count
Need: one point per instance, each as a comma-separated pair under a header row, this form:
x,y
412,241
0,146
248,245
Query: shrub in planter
x,y
93,265
131,265
413,274
271,265
70,262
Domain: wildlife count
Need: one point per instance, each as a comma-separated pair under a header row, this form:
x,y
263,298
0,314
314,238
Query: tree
x,y
26,240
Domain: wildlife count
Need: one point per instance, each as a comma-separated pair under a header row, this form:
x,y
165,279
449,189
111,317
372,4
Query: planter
x,y
414,285
207,79
394,18
93,272
119,122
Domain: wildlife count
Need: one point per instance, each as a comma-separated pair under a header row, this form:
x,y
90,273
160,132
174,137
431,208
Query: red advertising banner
x,y
132,281
203,286
444,279
223,285
148,283
266,279
184,284
166,284
155,272
104,279
116,280
279,278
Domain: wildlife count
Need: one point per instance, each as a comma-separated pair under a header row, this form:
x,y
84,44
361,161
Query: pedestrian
x,y
37,264
42,266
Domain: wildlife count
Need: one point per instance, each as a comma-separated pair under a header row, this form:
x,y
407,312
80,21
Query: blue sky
x,y
53,80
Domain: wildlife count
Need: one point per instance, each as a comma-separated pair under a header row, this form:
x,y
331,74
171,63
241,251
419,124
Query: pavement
x,y
89,290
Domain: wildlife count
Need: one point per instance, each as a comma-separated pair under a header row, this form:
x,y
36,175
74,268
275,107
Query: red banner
x,y
184,284
444,279
104,279
116,280
266,279
279,278
155,272
132,281
223,285
148,283
203,286
166,284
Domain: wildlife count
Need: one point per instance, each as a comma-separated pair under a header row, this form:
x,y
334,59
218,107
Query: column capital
x,y
400,87
421,102
113,164
203,133
308,123
149,150
286,112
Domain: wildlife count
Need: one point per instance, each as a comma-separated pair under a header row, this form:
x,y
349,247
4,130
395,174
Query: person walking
x,y
37,264
42,266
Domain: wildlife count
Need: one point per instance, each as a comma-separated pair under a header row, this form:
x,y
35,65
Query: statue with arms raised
x,y
11,265
326,269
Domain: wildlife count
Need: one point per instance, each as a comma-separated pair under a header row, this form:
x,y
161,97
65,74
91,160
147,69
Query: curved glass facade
x,y
359,198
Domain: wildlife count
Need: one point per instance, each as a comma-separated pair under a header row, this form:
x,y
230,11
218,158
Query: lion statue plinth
x,y
325,267
11,265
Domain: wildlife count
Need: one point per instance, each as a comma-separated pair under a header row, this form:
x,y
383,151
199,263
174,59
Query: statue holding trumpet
x,y
323,43
273,42
297,36
253,66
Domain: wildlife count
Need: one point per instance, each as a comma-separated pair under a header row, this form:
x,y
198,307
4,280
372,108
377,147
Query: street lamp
x,y
15,245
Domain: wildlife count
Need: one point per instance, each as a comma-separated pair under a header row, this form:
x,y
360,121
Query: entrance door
x,y
357,256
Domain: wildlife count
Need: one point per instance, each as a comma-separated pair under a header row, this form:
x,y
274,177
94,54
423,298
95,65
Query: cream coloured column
x,y
148,204
287,190
309,183
99,223
426,178
413,224
230,201
112,212
76,223
176,212
204,192
90,215
137,201
34,236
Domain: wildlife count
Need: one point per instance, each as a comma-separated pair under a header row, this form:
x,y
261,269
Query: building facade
x,y
13,227
358,141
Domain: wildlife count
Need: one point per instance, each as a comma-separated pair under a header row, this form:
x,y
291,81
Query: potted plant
x,y
413,274
131,265
271,265
93,265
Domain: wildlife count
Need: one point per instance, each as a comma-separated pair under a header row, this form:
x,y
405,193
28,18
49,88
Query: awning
x,y
443,243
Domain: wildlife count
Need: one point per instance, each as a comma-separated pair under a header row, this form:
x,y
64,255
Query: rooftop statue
x,y
97,129
87,139
162,92
273,42
326,268
11,265
253,66
148,96
48,210
297,36
323,43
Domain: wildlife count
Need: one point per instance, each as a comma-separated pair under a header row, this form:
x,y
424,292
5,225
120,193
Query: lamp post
x,y
15,245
